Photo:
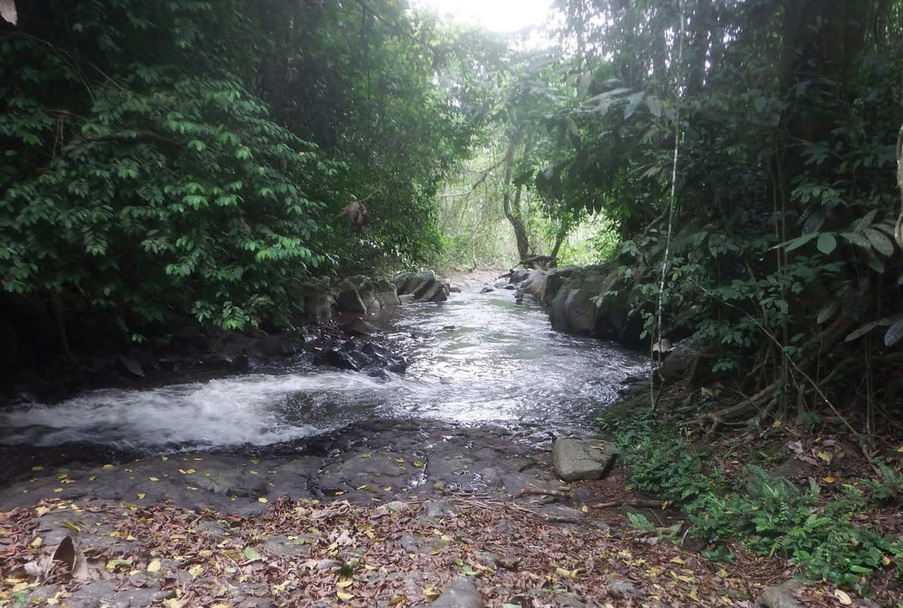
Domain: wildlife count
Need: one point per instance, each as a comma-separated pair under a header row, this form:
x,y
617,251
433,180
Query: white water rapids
x,y
478,358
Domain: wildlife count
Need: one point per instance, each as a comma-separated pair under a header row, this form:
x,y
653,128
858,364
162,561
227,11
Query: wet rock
x,y
487,290
425,286
588,303
574,459
459,593
363,356
359,294
519,276
131,365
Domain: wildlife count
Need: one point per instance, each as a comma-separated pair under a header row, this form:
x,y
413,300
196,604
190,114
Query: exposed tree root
x,y
634,504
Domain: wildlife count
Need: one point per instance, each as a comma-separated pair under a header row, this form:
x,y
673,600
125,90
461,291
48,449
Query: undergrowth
x,y
771,516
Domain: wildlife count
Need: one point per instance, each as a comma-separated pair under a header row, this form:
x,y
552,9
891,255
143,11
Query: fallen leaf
x,y
842,597
155,565
828,479
345,597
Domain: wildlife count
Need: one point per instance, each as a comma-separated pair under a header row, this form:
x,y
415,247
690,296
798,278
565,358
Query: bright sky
x,y
495,15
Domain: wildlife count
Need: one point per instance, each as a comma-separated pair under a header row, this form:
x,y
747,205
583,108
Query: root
x,y
634,504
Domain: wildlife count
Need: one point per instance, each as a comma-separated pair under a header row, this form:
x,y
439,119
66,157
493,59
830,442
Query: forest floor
x,y
388,514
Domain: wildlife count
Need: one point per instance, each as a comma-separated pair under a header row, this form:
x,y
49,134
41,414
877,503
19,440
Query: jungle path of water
x,y
488,381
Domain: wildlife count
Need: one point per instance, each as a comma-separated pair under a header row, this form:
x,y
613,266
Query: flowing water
x,y
478,358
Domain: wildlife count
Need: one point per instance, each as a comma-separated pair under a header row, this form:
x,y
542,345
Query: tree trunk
x,y
513,213
512,207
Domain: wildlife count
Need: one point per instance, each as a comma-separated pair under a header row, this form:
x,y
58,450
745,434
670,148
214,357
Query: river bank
x,y
432,487
387,514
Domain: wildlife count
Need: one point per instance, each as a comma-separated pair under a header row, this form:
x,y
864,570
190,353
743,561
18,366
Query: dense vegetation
x,y
743,152
165,161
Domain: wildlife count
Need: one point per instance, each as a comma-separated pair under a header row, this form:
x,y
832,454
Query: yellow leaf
x,y
900,449
154,478
366,455
164,458
252,461
92,478
40,468
37,542
567,573
430,593
419,463
842,597
196,570
71,526
187,471
57,490
172,603
722,573
677,560
823,456
107,467
141,495
776,424
41,510
828,479
345,597
154,566
262,499
344,582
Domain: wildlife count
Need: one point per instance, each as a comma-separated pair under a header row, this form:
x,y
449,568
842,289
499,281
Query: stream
x,y
479,358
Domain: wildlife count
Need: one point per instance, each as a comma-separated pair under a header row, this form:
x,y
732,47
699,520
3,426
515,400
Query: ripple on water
x,y
478,358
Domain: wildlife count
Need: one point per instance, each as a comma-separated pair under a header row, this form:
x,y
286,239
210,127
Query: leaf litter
x,y
307,553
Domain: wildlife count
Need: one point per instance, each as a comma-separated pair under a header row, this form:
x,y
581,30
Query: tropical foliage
x,y
192,159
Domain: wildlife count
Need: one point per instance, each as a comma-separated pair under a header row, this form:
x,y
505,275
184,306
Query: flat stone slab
x,y
372,462
577,459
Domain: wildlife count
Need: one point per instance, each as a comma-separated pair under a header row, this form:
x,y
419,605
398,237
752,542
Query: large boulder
x,y
591,301
361,295
423,286
690,359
